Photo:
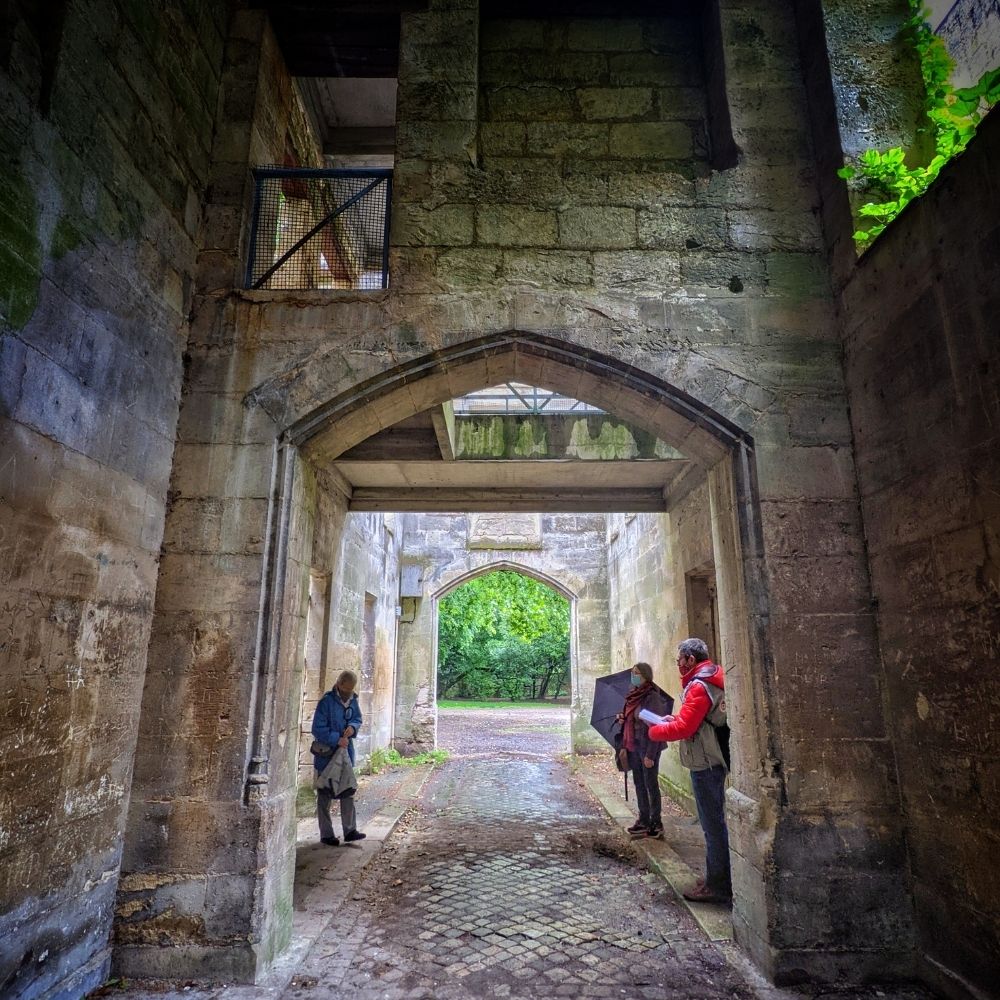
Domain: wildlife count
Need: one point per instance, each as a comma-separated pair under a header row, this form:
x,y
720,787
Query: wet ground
x,y
528,732
505,879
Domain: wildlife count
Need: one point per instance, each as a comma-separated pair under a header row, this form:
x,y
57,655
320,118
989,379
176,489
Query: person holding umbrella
x,y
641,754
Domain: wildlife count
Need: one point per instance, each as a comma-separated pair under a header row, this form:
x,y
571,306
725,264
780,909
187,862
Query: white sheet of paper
x,y
650,718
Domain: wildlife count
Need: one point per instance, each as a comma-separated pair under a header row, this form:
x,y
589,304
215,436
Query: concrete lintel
x,y
431,500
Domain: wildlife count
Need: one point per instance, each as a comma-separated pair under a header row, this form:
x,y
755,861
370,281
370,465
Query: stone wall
x,y
923,363
213,799
567,550
107,125
358,554
691,302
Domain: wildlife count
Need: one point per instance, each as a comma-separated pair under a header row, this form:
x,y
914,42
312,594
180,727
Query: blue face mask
x,y
637,680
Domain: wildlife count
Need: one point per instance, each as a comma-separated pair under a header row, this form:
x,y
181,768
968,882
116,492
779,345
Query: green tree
x,y
503,635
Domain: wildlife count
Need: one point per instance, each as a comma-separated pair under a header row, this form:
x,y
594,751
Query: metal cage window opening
x,y
319,229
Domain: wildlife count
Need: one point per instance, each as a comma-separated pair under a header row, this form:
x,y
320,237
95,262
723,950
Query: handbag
x,y
321,749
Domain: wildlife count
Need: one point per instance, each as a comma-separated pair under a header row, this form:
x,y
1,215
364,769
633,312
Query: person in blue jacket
x,y
336,723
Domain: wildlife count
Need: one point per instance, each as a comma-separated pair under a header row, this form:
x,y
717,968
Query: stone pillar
x,y
207,873
820,868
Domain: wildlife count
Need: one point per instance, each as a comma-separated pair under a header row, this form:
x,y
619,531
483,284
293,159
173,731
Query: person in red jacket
x,y
702,698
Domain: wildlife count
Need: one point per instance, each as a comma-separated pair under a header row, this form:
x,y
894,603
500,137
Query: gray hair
x,y
347,676
697,648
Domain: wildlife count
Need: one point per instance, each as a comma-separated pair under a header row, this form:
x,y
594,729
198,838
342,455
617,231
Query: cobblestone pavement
x,y
508,883
538,732
505,881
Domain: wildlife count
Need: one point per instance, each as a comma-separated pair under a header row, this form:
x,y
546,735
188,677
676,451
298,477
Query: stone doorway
x,y
509,727
324,409
711,455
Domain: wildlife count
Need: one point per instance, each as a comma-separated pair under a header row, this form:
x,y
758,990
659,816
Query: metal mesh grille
x,y
320,229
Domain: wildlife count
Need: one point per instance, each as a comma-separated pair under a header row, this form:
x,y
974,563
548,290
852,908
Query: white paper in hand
x,y
650,718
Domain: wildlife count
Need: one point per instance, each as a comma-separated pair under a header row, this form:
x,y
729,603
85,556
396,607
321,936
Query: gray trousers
x,y
347,814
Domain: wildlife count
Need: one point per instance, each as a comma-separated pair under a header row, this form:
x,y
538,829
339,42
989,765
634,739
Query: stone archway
x,y
719,451
321,405
452,580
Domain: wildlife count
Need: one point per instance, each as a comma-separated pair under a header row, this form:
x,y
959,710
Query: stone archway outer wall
x,y
702,306
569,555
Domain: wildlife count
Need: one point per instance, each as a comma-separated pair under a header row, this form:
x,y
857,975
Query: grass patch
x,y
386,757
500,704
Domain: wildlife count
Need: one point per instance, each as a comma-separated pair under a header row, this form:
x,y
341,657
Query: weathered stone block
x,y
760,229
636,268
544,268
649,190
579,67
597,228
436,140
556,139
681,228
531,103
449,225
468,268
736,272
442,62
652,140
615,103
435,101
510,225
502,138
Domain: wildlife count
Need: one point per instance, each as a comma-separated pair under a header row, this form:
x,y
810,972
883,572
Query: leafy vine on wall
x,y
951,119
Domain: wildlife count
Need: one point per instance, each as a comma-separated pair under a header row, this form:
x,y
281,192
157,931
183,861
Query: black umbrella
x,y
609,700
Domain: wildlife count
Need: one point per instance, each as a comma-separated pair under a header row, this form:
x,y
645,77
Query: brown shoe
x,y
701,893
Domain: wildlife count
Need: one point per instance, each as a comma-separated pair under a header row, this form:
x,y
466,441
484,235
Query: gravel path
x,y
531,732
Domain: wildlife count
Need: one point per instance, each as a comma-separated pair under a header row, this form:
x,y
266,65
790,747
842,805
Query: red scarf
x,y
633,702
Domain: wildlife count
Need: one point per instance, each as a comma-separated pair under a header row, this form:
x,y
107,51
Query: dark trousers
x,y
710,799
647,791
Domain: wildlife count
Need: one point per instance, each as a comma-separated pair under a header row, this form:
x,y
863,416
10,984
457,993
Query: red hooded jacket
x,y
696,706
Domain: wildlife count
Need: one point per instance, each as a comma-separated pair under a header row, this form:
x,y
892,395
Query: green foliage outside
x,y
503,635
383,758
952,116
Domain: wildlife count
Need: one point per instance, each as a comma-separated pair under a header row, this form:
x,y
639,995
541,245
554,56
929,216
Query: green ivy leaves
x,y
952,117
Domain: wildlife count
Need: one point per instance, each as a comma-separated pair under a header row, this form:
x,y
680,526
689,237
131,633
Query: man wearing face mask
x,y
694,727
642,754
335,724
